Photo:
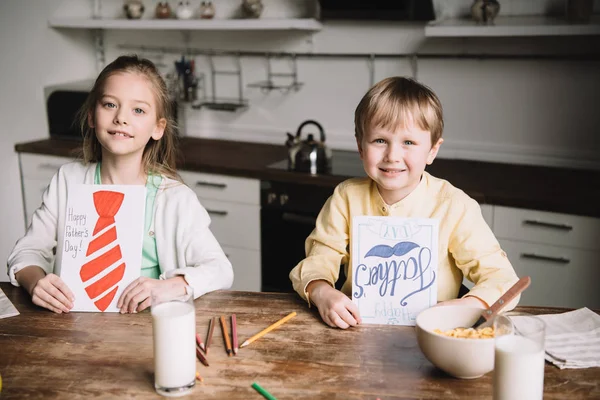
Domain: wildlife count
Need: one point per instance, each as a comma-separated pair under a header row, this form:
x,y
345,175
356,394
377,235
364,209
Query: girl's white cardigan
x,y
184,242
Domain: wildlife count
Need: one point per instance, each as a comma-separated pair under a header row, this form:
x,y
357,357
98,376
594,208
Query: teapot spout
x,y
291,140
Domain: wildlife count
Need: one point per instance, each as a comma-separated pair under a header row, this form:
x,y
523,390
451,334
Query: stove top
x,y
343,163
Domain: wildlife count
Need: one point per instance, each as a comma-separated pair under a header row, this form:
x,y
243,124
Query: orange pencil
x,y
234,333
269,329
201,357
226,336
211,328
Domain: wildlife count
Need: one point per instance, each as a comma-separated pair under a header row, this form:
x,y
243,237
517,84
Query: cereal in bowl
x,y
468,333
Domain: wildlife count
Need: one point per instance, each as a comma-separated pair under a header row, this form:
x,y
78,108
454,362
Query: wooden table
x,y
94,355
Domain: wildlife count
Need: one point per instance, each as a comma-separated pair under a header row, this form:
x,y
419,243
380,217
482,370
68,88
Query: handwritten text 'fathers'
x,y
387,273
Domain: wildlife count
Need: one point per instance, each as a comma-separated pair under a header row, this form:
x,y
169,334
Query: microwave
x,y
63,102
390,10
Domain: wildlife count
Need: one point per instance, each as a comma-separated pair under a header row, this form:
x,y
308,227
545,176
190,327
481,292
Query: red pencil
x,y
211,328
234,333
199,342
201,357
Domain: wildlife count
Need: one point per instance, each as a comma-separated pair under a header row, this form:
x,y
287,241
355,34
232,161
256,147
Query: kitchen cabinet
x,y
36,172
232,203
559,252
234,207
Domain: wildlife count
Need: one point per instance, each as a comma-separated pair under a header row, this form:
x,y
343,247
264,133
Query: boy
x,y
399,128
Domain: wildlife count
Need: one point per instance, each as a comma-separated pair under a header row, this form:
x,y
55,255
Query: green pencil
x,y
262,391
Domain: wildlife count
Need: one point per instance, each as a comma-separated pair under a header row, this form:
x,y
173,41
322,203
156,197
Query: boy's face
x,y
395,160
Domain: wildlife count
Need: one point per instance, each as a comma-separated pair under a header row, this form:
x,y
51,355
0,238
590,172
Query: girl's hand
x,y
467,301
136,296
336,309
52,293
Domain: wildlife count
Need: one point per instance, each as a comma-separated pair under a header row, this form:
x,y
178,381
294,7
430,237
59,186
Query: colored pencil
x,y
262,391
198,377
201,357
226,336
211,328
199,342
269,329
234,333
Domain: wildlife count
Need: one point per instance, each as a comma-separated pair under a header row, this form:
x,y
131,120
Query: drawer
x,y
246,268
546,227
34,166
220,187
487,210
32,192
234,224
560,276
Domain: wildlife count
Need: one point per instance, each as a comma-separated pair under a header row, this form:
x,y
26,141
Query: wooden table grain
x,y
95,355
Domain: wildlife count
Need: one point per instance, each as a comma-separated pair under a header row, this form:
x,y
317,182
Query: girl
x,y
128,139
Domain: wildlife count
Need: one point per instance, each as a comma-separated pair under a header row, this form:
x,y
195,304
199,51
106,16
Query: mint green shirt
x,y
150,267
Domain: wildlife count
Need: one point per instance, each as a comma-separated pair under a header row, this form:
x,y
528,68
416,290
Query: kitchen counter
x,y
562,190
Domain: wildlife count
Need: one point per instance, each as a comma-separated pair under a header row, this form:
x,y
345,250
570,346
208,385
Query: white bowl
x,y
461,358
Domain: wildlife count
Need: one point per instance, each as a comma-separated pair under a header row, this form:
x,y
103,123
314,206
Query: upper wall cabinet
x,y
511,26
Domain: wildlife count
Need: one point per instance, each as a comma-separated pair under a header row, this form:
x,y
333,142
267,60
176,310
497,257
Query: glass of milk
x,y
174,329
519,357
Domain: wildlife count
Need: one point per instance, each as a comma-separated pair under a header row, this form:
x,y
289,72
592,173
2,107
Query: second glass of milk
x,y
519,357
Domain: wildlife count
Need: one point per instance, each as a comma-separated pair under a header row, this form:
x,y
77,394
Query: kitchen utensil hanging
x,y
219,103
269,84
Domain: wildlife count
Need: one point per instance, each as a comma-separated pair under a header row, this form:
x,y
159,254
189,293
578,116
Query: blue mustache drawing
x,y
385,251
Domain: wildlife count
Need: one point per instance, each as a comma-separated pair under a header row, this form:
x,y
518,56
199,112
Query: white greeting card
x,y
102,244
394,273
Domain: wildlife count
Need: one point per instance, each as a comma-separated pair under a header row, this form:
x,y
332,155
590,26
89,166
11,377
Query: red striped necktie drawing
x,y
104,237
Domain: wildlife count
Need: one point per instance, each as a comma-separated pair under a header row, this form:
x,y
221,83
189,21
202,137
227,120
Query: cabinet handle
x,y
217,212
211,184
533,256
562,227
302,219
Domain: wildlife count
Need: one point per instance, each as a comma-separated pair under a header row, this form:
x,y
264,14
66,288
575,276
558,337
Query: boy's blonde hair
x,y
159,155
396,101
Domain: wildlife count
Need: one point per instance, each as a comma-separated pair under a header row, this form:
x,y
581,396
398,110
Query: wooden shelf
x,y
512,26
300,24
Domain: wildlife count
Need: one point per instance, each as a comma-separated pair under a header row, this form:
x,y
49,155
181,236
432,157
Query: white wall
x,y
542,112
32,55
519,111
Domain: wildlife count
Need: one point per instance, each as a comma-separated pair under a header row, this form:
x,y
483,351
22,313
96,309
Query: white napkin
x,y
7,309
573,338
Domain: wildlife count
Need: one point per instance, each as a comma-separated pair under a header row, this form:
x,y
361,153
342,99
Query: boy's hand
x,y
52,293
336,309
468,301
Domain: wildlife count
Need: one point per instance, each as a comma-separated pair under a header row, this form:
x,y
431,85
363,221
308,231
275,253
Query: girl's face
x,y
125,117
395,160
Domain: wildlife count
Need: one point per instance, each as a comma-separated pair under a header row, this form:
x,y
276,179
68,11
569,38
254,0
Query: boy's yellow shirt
x,y
467,245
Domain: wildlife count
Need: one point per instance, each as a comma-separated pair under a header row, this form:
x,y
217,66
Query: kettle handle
x,y
313,122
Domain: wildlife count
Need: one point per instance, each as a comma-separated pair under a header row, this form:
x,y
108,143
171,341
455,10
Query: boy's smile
x,y
395,160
